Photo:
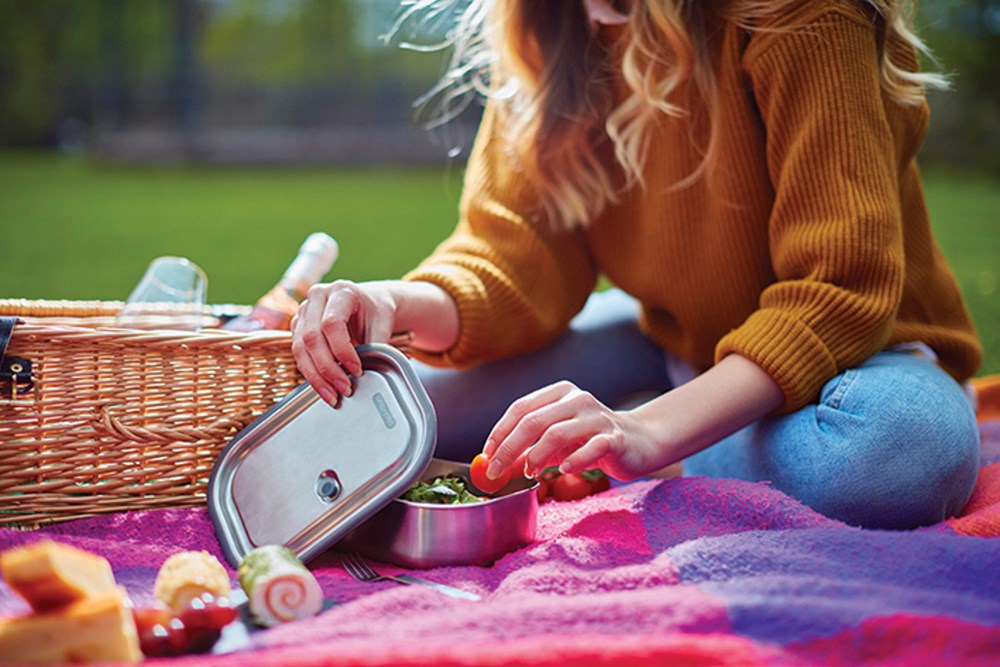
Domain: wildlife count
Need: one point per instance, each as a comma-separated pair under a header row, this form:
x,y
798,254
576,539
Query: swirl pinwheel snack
x,y
279,587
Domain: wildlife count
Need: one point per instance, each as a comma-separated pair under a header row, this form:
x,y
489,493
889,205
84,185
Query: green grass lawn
x,y
75,230
964,211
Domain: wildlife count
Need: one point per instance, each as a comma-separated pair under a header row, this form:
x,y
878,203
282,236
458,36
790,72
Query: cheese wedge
x,y
49,575
98,629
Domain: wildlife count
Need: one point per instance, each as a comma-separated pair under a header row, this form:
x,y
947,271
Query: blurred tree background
x,y
212,80
206,80
965,125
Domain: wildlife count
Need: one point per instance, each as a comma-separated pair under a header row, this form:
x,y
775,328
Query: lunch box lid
x,y
304,474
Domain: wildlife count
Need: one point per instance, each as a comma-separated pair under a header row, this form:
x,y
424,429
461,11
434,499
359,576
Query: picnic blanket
x,y
687,571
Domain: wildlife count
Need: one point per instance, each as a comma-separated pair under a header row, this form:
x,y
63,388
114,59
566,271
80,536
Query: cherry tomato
x,y
207,612
146,618
571,486
545,480
477,475
600,484
200,640
194,629
164,639
597,479
549,473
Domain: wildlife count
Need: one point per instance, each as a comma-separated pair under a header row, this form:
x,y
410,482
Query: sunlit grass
x,y
75,230
964,210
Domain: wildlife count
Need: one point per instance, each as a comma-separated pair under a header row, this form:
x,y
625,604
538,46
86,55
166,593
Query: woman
x,y
743,172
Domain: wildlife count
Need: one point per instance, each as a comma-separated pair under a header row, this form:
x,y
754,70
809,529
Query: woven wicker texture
x,y
122,419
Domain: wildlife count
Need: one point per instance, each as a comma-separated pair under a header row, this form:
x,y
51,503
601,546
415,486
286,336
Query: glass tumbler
x,y
170,295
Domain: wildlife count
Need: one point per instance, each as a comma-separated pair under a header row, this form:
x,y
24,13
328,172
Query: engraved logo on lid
x,y
383,410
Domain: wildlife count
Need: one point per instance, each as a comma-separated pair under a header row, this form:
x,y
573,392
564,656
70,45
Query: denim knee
x,y
900,445
891,444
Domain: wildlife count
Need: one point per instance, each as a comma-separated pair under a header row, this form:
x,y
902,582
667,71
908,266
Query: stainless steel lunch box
x,y
424,535
307,475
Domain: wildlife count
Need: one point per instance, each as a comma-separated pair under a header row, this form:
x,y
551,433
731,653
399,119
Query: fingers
x,y
589,455
316,345
560,442
331,322
519,409
343,307
547,427
329,391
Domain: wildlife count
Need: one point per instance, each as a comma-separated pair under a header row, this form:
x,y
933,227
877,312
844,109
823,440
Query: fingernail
x,y
327,395
493,470
565,468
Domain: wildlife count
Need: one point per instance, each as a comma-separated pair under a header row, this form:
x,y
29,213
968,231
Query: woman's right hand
x,y
336,317
331,322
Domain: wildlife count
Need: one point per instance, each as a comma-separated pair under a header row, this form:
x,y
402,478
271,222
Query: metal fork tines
x,y
356,566
359,568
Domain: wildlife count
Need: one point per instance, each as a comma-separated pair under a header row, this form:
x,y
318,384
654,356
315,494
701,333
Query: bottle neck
x,y
297,291
302,273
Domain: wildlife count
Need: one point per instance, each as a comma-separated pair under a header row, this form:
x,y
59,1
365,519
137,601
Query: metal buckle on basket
x,y
16,378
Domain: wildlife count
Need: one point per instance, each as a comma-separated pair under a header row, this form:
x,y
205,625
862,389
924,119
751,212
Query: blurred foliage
x,y
38,42
100,62
965,35
965,38
70,65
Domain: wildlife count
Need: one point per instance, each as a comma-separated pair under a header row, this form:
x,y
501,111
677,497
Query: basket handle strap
x,y
6,331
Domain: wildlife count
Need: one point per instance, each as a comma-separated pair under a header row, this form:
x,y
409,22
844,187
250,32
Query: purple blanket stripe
x,y
648,559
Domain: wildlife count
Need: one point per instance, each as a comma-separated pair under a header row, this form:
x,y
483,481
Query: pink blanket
x,y
685,571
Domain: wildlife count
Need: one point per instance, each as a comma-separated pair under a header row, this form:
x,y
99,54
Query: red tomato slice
x,y
477,475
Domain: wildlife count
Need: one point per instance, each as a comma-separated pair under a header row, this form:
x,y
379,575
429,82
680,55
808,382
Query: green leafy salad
x,y
447,490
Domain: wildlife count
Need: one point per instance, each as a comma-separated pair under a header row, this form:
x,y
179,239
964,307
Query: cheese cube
x,y
98,629
49,575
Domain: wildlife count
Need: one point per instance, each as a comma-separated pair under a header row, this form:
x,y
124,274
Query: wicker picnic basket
x,y
97,419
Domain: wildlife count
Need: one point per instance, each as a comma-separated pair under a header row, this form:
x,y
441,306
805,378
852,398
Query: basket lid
x,y
304,474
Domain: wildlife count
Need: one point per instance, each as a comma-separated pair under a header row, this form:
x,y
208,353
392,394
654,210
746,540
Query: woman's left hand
x,y
565,426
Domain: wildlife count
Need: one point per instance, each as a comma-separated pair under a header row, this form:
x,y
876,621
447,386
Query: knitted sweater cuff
x,y
469,293
787,349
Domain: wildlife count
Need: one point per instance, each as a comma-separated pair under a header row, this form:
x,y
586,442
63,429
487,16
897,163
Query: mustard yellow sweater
x,y
807,252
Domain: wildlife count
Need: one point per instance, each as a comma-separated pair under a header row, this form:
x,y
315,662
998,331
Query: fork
x,y
360,569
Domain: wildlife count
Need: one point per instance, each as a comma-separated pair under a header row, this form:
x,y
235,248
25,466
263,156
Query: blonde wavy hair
x,y
539,63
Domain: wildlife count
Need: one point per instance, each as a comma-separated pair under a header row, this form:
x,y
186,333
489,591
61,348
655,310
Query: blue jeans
x,y
892,443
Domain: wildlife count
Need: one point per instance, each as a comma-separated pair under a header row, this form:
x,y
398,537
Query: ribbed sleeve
x,y
835,229
806,248
517,282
